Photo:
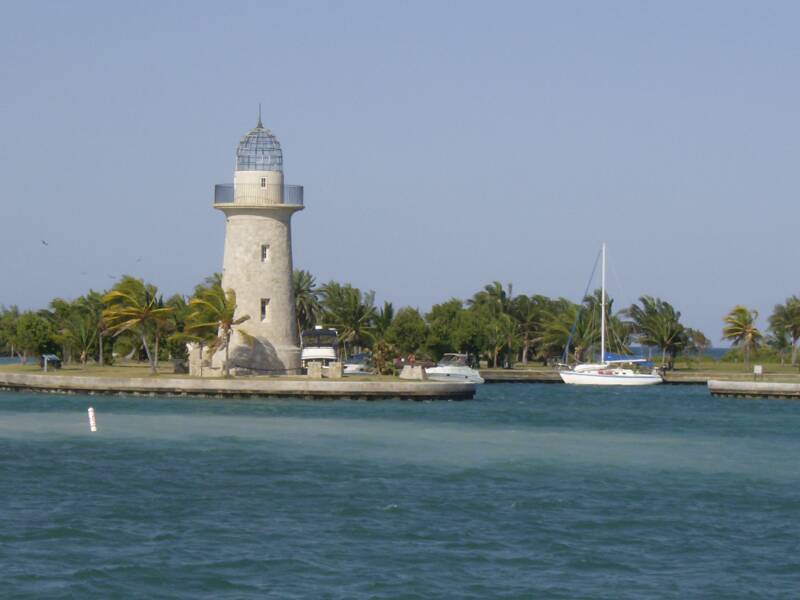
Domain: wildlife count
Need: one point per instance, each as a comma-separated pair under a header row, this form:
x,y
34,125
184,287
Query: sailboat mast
x,y
603,308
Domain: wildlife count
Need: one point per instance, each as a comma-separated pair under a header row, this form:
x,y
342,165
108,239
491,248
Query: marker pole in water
x,y
92,420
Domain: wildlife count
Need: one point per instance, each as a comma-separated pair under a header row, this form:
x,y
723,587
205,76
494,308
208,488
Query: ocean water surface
x,y
529,491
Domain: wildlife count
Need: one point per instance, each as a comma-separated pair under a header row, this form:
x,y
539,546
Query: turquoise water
x,y
530,491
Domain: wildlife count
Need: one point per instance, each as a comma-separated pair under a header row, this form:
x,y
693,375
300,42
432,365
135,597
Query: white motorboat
x,y
609,372
358,364
454,367
320,345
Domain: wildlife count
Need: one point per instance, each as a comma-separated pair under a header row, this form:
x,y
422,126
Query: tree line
x,y
494,324
133,320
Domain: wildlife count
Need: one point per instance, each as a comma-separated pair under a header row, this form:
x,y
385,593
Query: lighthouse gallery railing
x,y
258,195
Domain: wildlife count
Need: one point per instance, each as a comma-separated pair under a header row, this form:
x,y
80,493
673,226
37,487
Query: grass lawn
x,y
133,369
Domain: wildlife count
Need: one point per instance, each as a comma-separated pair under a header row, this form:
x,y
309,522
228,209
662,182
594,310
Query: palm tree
x,y
307,308
80,333
657,323
383,320
162,327
92,303
199,335
176,347
213,319
493,302
785,320
500,332
779,341
740,328
494,297
566,322
132,306
530,313
351,312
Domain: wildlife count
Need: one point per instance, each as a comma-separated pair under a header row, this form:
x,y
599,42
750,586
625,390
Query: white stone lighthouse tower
x,y
257,265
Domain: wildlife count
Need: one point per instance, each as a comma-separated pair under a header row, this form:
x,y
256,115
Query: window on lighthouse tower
x,y
263,182
265,309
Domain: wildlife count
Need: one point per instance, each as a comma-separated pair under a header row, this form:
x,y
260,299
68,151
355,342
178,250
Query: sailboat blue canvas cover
x,y
622,358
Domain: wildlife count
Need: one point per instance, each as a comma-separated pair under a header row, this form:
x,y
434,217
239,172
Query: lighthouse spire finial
x,y
259,126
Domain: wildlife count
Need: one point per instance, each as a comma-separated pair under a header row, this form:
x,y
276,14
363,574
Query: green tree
x,y
740,329
494,303
407,331
8,329
32,335
442,322
60,314
471,333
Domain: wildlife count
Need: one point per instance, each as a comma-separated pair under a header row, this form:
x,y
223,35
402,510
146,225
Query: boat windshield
x,y
320,338
454,360
358,359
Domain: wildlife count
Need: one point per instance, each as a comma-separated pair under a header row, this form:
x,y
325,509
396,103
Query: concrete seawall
x,y
179,386
754,389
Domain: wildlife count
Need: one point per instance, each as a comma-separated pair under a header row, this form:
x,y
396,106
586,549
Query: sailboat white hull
x,y
591,378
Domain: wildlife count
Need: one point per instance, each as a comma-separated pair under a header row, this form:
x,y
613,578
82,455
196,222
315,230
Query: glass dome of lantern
x,y
259,150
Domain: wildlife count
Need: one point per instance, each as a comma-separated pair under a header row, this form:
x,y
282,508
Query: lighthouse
x,y
257,263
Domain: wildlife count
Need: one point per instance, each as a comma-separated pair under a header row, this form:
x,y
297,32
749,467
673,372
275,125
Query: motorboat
x,y
454,367
319,345
610,370
358,364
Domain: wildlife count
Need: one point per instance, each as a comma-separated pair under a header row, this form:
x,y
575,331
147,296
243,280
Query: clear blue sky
x,y
442,145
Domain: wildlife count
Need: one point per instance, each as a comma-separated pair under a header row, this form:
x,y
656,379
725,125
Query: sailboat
x,y
609,371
